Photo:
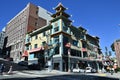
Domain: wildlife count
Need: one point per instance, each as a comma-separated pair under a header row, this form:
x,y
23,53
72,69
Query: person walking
x,y
10,70
2,67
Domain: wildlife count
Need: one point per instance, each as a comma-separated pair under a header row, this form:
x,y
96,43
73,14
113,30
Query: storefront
x,y
36,57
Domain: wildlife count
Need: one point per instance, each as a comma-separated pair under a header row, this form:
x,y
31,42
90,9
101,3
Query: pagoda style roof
x,y
60,7
60,17
60,13
93,37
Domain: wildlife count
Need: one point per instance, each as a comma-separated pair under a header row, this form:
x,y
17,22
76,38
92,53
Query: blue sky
x,y
99,17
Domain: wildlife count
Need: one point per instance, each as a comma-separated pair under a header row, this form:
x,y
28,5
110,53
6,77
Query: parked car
x,y
78,70
90,69
93,70
34,67
23,63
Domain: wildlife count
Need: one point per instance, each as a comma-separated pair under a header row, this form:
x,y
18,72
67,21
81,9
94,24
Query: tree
x,y
112,47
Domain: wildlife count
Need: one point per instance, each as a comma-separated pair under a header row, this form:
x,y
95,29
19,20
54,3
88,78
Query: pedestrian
x,y
2,67
10,70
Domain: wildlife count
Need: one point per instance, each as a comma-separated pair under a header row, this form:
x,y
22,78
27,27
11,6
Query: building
x,y
116,47
62,46
29,19
2,36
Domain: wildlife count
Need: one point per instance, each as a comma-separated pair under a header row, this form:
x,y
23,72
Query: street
x,y
61,77
54,75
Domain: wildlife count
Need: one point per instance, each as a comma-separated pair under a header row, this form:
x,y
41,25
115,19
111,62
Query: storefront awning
x,y
84,49
68,45
36,49
25,54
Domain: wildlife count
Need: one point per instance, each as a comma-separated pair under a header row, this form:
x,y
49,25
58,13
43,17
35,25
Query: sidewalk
x,y
43,73
55,72
115,75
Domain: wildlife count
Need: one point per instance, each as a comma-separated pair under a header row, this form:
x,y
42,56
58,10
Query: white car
x,y
78,70
89,70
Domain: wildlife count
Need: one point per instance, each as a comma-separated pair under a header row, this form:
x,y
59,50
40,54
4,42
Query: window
x,y
85,54
36,24
44,33
56,39
65,50
35,46
30,46
56,29
82,36
84,45
44,43
17,45
57,50
28,39
65,40
36,37
75,53
75,43
27,47
37,12
65,28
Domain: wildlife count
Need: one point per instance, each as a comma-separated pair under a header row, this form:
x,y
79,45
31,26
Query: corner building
x,y
116,46
62,46
29,19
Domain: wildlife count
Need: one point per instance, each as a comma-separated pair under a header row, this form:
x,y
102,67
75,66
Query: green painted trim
x,y
40,30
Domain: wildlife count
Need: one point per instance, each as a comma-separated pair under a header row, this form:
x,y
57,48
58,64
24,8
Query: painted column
x,y
81,49
61,45
98,69
61,26
61,51
69,70
68,31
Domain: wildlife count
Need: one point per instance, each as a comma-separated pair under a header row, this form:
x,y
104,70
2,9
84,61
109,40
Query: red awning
x,y
68,45
84,49
25,54
36,49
